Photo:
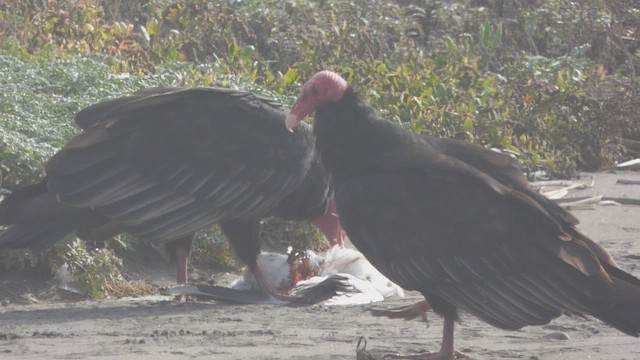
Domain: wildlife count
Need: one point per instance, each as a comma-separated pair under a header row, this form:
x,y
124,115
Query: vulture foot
x,y
447,351
430,356
361,350
182,265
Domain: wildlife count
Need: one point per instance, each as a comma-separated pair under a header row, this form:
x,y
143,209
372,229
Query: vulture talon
x,y
447,350
361,350
429,356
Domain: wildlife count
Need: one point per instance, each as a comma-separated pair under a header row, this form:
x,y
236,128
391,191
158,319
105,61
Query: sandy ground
x,y
153,329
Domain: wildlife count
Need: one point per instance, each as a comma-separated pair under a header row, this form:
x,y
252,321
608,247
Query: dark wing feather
x,y
166,162
501,167
437,225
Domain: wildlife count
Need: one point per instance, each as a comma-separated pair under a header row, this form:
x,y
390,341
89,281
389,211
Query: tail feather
x,y
36,220
36,236
624,317
625,314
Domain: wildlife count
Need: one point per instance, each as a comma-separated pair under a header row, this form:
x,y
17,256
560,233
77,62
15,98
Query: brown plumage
x,y
165,162
458,224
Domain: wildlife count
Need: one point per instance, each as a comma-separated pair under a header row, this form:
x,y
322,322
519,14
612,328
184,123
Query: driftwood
x,y
628,182
629,165
575,184
622,200
557,189
579,203
584,199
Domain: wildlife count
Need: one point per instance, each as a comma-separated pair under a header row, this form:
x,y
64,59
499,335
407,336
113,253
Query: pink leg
x,y
447,351
182,263
182,250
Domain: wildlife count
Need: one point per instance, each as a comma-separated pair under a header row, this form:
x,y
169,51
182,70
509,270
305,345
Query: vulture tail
x,y
35,236
34,219
625,314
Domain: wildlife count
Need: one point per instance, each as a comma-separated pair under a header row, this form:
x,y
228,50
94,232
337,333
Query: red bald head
x,y
322,88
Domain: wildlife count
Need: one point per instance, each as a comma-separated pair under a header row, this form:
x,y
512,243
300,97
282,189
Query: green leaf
x,y
441,94
153,27
235,49
497,37
485,34
381,69
270,76
291,76
303,66
451,45
247,52
488,82
468,124
560,80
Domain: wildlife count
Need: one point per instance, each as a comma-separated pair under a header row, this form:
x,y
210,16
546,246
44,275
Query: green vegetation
x,y
553,82
96,271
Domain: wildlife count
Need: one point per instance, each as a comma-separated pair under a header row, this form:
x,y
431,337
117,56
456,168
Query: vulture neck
x,y
349,135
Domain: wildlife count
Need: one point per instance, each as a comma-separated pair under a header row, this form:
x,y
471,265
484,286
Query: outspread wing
x,y
166,162
435,224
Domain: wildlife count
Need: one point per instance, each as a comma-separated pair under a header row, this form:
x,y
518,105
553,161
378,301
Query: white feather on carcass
x,y
366,284
276,271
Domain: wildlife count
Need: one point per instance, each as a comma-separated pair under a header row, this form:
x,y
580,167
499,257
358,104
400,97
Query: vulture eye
x,y
314,91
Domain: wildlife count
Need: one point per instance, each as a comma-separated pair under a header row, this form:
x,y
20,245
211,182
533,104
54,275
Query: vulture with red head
x,y
458,223
166,162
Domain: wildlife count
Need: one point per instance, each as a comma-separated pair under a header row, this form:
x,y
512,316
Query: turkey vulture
x,y
466,233
165,162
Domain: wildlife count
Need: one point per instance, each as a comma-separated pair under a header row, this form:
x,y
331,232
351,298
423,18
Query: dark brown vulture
x,y
447,220
165,162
